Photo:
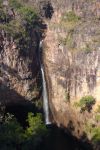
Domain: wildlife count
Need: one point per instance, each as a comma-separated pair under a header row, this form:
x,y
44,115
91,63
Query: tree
x,y
13,136
86,103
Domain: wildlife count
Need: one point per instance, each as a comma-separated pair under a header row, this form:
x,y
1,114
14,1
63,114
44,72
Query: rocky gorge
x,y
70,31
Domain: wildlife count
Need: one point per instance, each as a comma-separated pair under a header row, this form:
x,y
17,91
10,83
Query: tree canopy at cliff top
x,y
17,20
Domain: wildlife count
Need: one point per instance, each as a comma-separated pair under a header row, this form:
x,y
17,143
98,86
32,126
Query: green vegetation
x,y
70,20
93,131
36,125
87,100
87,48
86,103
2,15
27,14
76,104
15,4
19,24
96,134
71,17
19,21
97,117
13,136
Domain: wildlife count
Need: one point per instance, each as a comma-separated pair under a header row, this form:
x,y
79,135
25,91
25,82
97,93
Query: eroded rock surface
x,y
72,62
18,74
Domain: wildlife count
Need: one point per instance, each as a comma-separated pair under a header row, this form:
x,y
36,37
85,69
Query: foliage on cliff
x,y
13,136
17,21
87,102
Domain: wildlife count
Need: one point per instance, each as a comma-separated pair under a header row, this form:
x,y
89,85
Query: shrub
x,y
76,104
36,125
19,26
15,4
11,133
93,132
27,14
35,133
2,15
86,103
13,136
96,134
71,17
97,117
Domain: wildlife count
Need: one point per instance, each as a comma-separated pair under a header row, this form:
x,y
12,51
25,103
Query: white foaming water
x,y
45,95
45,99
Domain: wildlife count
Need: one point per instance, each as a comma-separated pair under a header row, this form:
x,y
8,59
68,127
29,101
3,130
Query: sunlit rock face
x,y
18,71
71,57
72,62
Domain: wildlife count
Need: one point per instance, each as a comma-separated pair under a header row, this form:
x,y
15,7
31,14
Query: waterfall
x,y
45,95
45,99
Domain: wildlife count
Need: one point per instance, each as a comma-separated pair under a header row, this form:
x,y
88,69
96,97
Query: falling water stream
x,y
45,94
45,98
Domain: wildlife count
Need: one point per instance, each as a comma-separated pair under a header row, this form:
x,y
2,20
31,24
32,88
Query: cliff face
x,y
18,73
71,55
20,31
72,63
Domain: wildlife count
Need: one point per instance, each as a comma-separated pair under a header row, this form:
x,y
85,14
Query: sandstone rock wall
x,y
18,74
72,61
